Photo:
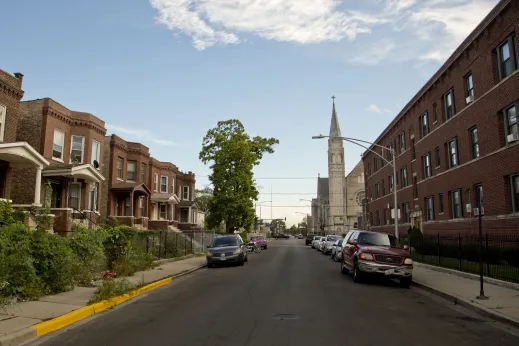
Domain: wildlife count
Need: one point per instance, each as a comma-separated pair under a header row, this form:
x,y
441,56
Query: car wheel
x,y
210,265
343,269
357,276
406,283
246,258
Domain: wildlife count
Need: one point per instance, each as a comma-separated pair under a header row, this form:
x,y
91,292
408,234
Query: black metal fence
x,y
167,244
500,254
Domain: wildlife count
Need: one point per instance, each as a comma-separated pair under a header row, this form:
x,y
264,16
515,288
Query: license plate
x,y
222,258
389,272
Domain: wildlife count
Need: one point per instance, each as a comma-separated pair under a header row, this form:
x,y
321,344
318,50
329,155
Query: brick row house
x,y
92,177
457,138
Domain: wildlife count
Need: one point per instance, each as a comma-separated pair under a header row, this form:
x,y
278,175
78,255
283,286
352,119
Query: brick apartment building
x,y
140,190
16,154
72,143
456,140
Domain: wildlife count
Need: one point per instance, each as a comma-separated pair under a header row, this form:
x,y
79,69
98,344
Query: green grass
x,y
112,288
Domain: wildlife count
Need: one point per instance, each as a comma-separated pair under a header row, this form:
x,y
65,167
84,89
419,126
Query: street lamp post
x,y
259,204
391,163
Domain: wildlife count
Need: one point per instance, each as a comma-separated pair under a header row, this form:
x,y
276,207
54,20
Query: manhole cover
x,y
285,317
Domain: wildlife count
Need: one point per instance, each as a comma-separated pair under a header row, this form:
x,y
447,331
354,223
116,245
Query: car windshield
x,y
332,238
378,239
225,241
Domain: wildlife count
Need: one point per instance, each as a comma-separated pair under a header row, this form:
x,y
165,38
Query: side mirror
x,y
351,242
406,248
208,246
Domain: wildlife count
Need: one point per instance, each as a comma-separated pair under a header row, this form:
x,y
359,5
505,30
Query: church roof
x,y
335,130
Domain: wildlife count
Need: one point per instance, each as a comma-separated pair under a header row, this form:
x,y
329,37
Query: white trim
x,y
3,112
183,192
117,168
86,171
164,176
82,148
23,152
62,145
155,182
98,153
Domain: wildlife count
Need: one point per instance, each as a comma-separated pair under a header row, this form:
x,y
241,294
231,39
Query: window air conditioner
x,y
512,137
469,99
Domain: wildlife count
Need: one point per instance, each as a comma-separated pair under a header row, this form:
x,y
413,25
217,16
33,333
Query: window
x,y
155,182
404,177
3,111
391,183
185,192
172,185
127,207
514,183
415,188
383,188
74,195
76,149
469,89
131,170
92,204
435,112
163,184
390,149
369,168
141,206
120,168
452,150
164,211
413,149
449,104
440,201
474,143
143,173
511,121
405,208
96,152
377,190
437,150
424,124
378,218
58,144
427,165
457,211
478,196
384,214
370,193
507,57
402,142
429,207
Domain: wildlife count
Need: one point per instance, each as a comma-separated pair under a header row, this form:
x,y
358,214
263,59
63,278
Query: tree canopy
x,y
203,198
233,155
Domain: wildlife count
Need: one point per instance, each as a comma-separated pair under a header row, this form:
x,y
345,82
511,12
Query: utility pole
x,y
271,201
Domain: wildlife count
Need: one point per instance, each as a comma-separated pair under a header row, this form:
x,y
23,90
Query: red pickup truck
x,y
260,240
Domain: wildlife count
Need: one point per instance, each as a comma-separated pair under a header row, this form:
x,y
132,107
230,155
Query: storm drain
x,y
285,317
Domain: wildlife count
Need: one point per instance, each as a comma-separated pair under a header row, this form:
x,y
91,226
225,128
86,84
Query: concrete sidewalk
x,y
16,320
463,288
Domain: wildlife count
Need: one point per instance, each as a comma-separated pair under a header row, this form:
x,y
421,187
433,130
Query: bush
x,y
112,288
87,246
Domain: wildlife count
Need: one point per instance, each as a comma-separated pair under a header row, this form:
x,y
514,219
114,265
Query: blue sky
x,y
163,72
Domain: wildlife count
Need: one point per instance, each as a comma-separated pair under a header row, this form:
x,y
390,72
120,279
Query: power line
x,y
272,178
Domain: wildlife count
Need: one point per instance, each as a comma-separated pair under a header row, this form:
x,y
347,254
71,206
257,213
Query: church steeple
x,y
335,130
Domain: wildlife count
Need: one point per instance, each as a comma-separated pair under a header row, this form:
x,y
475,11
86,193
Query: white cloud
x,y
374,108
140,134
427,30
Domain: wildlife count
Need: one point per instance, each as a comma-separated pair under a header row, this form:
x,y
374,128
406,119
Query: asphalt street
x,y
286,295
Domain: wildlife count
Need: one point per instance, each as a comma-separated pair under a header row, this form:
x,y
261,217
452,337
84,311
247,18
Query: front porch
x,y
187,216
163,211
128,204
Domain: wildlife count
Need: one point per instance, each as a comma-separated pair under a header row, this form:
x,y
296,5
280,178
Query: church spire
x,y
335,130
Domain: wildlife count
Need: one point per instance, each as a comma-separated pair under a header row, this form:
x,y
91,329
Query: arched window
x,y
355,225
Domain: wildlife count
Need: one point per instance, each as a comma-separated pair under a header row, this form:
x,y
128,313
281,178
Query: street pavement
x,y
289,294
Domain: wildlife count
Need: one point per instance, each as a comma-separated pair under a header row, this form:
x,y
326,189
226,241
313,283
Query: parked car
x,y
337,249
260,240
370,253
315,241
309,239
320,243
329,240
300,236
226,249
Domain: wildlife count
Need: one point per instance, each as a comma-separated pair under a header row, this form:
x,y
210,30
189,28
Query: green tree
x,y
203,198
293,229
233,155
278,226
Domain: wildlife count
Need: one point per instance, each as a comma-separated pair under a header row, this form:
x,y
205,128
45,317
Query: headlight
x,y
408,261
237,251
366,256
209,253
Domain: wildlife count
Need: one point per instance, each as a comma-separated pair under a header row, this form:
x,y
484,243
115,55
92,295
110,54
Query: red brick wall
x,y
497,161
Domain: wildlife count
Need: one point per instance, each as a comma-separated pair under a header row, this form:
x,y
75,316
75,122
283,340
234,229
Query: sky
x,y
163,72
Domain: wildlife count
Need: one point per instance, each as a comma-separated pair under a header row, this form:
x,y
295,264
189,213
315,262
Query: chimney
x,y
19,76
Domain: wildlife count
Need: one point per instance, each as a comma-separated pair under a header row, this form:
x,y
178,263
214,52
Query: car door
x,y
349,249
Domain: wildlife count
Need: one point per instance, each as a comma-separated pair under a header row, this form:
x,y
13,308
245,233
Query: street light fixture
x,y
391,163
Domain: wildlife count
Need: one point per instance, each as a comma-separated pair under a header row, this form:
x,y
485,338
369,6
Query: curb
x,y
77,315
494,315
470,276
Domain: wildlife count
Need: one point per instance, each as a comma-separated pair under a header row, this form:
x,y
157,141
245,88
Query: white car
x,y
337,250
315,241
320,243
328,242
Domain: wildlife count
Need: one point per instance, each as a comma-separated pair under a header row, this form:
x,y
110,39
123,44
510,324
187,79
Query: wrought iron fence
x,y
500,254
169,244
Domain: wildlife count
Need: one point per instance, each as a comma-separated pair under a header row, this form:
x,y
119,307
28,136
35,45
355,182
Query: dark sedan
x,y
226,249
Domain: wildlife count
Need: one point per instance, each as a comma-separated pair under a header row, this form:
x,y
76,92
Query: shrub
x,y
112,288
87,246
